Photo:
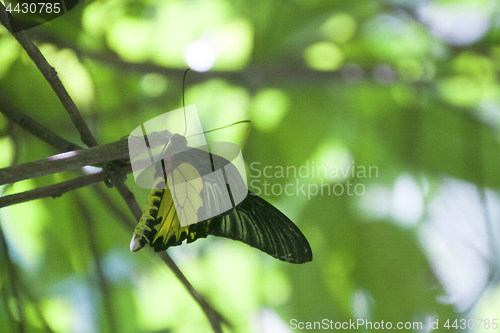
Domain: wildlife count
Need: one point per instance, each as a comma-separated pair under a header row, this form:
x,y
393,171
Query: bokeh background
x,y
408,87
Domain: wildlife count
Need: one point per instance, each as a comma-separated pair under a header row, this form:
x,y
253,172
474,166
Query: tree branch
x,y
129,198
214,317
65,161
35,128
56,190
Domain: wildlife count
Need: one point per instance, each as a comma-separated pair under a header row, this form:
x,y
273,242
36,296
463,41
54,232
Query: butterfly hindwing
x,y
259,224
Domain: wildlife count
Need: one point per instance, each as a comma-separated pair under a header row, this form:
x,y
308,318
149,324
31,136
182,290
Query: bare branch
x,y
129,198
65,161
55,190
76,159
213,316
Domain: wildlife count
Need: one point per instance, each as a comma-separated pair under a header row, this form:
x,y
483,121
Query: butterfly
x,y
169,219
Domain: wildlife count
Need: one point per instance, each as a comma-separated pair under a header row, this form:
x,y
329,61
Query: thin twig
x,y
214,317
35,128
51,76
129,198
103,283
58,189
55,190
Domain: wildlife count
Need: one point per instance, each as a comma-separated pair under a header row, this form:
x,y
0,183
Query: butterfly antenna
x,y
183,104
216,129
183,108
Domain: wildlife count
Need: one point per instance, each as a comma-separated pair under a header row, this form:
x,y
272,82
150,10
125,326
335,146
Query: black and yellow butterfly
x,y
199,193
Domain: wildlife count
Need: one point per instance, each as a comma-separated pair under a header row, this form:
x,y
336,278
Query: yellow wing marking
x,y
187,185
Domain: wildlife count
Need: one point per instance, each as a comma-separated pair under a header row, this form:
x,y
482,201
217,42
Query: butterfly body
x,y
201,198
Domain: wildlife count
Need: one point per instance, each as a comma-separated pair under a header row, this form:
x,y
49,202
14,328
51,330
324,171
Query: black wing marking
x,y
259,224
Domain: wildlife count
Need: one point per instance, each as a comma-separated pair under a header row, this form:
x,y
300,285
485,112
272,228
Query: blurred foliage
x,y
408,87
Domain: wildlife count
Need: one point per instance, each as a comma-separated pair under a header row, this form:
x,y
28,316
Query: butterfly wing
x,y
259,224
252,221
